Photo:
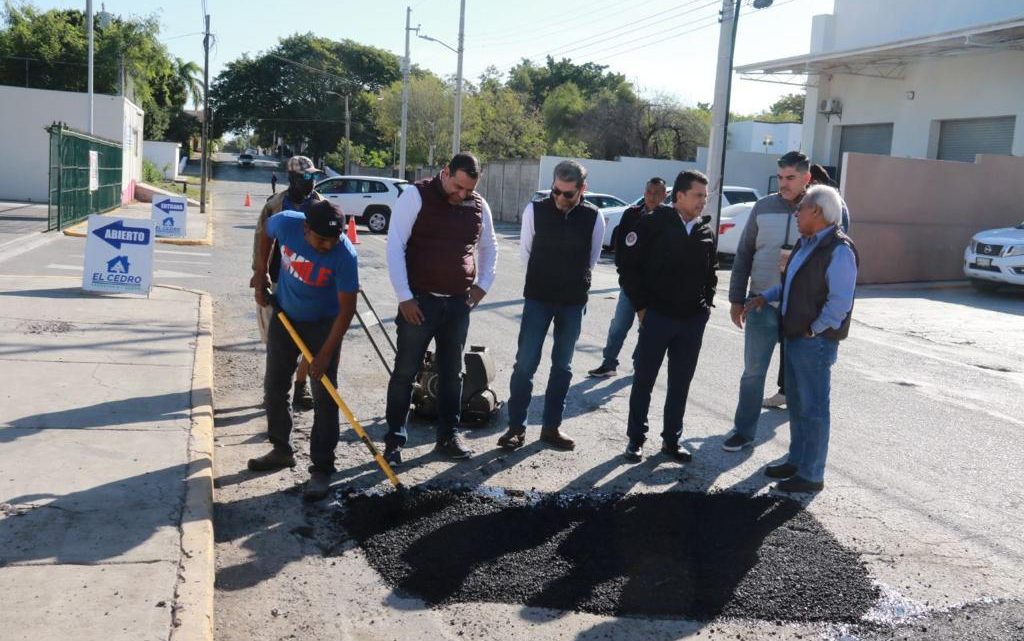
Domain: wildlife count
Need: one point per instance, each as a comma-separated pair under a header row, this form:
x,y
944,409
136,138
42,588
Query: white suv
x,y
995,257
369,198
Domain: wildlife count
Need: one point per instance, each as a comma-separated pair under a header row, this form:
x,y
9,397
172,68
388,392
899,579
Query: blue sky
x,y
663,46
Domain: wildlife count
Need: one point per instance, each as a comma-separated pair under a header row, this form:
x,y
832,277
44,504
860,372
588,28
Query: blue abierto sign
x,y
169,214
118,255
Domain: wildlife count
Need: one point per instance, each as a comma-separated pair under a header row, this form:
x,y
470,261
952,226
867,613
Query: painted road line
x,y
182,253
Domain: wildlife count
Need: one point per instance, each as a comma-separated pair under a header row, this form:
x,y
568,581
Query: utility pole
x,y
348,139
205,161
406,63
457,135
720,108
89,37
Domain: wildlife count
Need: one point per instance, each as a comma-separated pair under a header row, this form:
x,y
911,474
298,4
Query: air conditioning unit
x,y
830,106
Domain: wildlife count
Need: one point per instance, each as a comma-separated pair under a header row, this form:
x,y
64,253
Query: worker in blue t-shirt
x,y
317,290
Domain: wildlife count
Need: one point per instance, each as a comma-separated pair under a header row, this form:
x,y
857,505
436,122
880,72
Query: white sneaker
x,y
774,402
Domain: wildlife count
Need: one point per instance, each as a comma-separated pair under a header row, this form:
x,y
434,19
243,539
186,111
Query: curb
x,y
78,231
192,615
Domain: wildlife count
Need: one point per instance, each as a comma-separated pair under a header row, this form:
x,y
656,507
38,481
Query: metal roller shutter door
x,y
866,139
963,139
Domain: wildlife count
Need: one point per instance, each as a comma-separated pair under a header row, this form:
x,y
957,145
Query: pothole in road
x,y
672,555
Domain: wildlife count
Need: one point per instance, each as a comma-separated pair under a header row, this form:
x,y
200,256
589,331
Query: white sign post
x,y
94,170
118,255
169,216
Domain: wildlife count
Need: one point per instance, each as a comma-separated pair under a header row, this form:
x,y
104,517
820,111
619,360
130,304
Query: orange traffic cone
x,y
248,201
351,233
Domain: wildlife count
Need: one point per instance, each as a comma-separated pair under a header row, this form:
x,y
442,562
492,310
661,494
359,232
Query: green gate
x,y
80,186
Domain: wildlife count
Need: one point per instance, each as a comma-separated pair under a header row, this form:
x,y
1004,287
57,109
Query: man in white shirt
x,y
441,256
560,243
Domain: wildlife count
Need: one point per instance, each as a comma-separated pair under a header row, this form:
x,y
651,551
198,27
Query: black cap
x,y
324,219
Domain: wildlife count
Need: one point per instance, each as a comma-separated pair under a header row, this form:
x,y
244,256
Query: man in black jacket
x,y
622,322
668,270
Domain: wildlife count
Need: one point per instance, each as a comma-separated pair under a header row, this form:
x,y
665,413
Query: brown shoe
x,y
513,439
555,438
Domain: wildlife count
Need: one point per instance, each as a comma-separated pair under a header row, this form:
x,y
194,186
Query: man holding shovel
x,y
317,290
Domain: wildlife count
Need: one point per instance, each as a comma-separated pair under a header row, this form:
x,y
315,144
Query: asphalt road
x,y
924,481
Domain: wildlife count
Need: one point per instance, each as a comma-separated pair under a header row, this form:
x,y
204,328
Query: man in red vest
x,y
441,256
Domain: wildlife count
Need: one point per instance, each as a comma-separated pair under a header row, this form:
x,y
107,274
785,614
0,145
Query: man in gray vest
x,y
768,235
560,242
816,296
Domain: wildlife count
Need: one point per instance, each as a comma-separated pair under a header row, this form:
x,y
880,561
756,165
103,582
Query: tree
x,y
498,123
283,93
430,117
190,75
790,107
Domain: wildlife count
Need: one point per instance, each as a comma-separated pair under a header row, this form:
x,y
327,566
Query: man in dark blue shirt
x,y
317,290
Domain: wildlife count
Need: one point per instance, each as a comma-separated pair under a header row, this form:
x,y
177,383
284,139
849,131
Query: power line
x,y
713,22
635,26
305,66
504,37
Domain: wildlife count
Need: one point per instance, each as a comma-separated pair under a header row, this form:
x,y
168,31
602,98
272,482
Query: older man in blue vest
x,y
816,295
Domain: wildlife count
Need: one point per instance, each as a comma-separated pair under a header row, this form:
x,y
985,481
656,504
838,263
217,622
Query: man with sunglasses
x,y
560,243
299,196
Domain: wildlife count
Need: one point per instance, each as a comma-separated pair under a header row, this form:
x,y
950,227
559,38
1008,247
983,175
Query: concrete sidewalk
x,y
105,463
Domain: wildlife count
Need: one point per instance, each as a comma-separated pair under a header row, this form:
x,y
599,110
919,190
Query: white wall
x,y
864,23
969,86
24,113
164,155
749,135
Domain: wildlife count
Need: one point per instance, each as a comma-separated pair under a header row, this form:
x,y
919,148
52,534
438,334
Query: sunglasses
x,y
568,195
308,176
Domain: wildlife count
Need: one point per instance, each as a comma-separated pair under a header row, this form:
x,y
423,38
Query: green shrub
x,y
150,173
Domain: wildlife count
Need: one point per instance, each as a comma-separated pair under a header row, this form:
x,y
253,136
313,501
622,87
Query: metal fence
x,y
85,176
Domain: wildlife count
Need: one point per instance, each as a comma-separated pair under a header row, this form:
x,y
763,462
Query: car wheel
x,y
377,221
984,285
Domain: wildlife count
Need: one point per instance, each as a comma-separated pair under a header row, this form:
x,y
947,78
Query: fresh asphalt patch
x,y
986,621
672,555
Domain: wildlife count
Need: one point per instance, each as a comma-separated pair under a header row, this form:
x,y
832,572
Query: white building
x,y
165,155
933,79
772,138
24,115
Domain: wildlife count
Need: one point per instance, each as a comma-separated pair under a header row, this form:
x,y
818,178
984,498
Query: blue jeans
x,y
533,328
622,322
760,336
809,381
282,359
446,321
681,339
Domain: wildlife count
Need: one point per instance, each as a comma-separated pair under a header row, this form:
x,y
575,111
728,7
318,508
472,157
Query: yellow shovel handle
x,y
377,456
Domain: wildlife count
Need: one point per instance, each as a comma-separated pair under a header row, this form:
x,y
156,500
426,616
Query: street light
x,y
457,132
348,134
105,20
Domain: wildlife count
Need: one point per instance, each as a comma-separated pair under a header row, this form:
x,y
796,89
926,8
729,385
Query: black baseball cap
x,y
324,219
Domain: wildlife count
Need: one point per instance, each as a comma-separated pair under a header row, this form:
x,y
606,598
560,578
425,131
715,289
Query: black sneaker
x,y
302,399
393,455
634,452
274,460
513,439
780,471
453,448
603,372
735,443
317,487
799,484
676,452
